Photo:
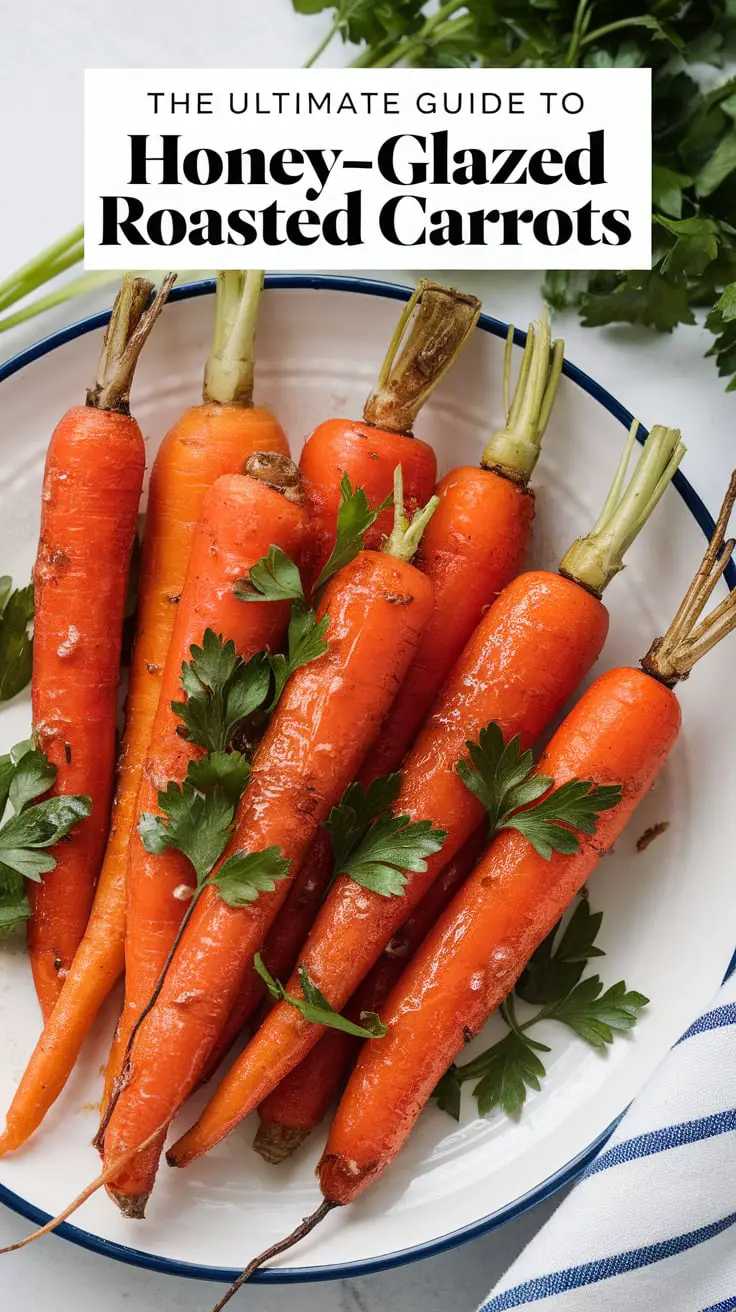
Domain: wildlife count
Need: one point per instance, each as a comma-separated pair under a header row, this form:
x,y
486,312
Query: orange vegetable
x,y
329,712
432,330
524,660
91,490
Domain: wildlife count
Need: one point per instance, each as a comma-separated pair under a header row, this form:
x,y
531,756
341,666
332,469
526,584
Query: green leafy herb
x,y
229,771
358,807
354,517
391,845
222,691
25,775
245,875
194,823
314,1007
274,577
554,970
694,135
502,777
16,644
504,1072
305,642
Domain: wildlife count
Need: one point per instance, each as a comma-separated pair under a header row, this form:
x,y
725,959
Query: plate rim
x,y
571,1169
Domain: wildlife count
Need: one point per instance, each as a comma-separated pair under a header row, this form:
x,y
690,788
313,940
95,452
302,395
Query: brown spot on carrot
x,y
649,835
174,599
467,1035
68,753
58,963
153,669
399,598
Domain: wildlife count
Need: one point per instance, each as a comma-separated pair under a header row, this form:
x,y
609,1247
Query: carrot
x,y
209,440
241,518
376,610
620,733
524,660
432,330
301,1101
91,490
473,546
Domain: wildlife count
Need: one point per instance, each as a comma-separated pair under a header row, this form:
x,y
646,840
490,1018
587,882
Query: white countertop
x,y
43,51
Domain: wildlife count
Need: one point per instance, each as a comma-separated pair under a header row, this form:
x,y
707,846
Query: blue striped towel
x,y
650,1225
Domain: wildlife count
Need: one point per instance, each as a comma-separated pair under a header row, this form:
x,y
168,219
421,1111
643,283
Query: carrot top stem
x,y
276,471
304,1228
125,335
689,637
593,560
403,541
513,451
228,373
432,330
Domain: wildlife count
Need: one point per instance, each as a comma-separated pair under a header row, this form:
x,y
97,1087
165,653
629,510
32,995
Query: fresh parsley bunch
x,y
694,177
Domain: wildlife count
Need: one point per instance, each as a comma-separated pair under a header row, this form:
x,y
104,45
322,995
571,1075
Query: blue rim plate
x,y
573,1168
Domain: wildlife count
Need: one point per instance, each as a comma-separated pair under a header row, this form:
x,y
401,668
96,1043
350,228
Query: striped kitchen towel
x,y
651,1225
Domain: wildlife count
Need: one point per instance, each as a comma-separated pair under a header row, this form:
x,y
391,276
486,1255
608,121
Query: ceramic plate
x,y
319,346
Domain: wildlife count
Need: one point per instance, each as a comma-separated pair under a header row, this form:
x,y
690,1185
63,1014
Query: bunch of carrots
x,y
323,828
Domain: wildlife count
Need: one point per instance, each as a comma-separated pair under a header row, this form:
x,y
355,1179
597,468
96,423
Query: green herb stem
x,y
44,266
326,40
514,450
593,560
67,292
229,371
406,535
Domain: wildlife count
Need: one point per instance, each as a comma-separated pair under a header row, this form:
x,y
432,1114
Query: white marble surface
x,y
44,48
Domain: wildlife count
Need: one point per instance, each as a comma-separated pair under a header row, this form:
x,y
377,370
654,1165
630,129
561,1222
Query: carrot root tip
x,y
131,1206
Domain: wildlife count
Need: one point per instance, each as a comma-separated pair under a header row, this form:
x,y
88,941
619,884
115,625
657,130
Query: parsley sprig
x,y
354,518
314,1007
16,643
26,774
372,845
503,1073
503,779
222,691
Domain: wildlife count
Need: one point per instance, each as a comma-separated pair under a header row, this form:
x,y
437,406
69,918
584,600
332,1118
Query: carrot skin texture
x,y
369,457
473,546
329,711
241,519
92,486
528,655
208,441
621,731
302,1100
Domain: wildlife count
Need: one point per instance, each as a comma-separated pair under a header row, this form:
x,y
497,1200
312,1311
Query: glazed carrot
x,y
91,490
473,546
331,709
524,660
301,1101
214,438
620,733
241,518
432,330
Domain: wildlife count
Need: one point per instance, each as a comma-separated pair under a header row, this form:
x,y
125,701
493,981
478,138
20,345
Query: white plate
x,y
669,912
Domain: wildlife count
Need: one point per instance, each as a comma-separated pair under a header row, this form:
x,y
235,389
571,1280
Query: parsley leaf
x,y
305,642
196,824
503,779
553,971
576,803
354,517
222,691
507,1070
229,771
358,806
245,875
391,845
314,1007
596,1016
274,577
32,777
16,645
